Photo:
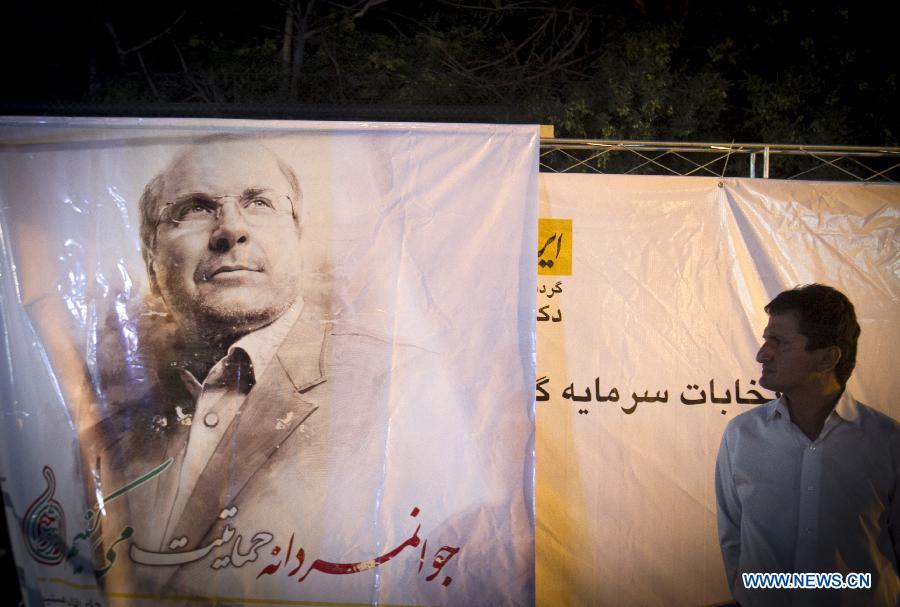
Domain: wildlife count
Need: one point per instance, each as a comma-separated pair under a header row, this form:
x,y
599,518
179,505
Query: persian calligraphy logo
x,y
555,247
44,525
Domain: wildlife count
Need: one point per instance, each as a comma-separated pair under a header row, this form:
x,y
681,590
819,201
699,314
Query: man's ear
x,y
829,359
151,275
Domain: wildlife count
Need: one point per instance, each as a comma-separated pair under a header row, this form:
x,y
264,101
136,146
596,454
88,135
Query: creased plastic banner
x,y
647,349
268,362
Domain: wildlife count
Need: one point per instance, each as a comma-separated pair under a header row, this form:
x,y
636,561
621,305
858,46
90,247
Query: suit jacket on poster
x,y
302,466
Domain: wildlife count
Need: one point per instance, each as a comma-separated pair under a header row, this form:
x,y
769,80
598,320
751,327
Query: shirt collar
x,y
777,407
258,347
261,345
846,408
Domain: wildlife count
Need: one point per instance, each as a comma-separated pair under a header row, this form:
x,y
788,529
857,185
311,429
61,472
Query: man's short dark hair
x,y
827,318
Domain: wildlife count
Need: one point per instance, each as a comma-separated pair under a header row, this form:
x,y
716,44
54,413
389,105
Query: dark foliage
x,y
783,72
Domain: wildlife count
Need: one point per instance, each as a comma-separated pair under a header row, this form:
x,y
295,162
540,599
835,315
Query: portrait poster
x,y
263,362
651,297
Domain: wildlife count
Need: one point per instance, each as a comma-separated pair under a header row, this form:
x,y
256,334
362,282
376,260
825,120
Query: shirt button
x,y
812,447
211,420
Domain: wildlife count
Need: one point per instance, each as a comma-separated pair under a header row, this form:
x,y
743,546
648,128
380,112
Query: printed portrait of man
x,y
269,363
277,363
242,417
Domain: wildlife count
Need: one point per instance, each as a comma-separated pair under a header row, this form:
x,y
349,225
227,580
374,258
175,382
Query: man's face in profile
x,y
786,363
227,248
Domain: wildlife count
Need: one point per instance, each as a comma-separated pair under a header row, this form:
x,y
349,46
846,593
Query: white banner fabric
x,y
647,350
287,363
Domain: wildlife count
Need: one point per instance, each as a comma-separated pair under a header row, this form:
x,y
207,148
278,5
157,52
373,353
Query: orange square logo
x,y
555,247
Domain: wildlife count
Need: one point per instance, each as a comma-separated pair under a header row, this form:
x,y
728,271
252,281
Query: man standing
x,y
809,482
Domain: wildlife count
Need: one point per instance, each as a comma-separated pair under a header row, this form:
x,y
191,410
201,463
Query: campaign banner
x,y
268,362
650,313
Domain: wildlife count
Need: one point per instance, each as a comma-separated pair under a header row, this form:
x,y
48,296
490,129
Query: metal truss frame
x,y
833,163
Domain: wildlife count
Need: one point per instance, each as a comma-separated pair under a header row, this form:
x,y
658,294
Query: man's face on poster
x,y
227,247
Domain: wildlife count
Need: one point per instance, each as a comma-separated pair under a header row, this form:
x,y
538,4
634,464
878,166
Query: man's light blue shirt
x,y
790,504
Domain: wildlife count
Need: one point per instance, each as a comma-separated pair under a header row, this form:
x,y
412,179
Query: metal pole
x,y
766,162
752,165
